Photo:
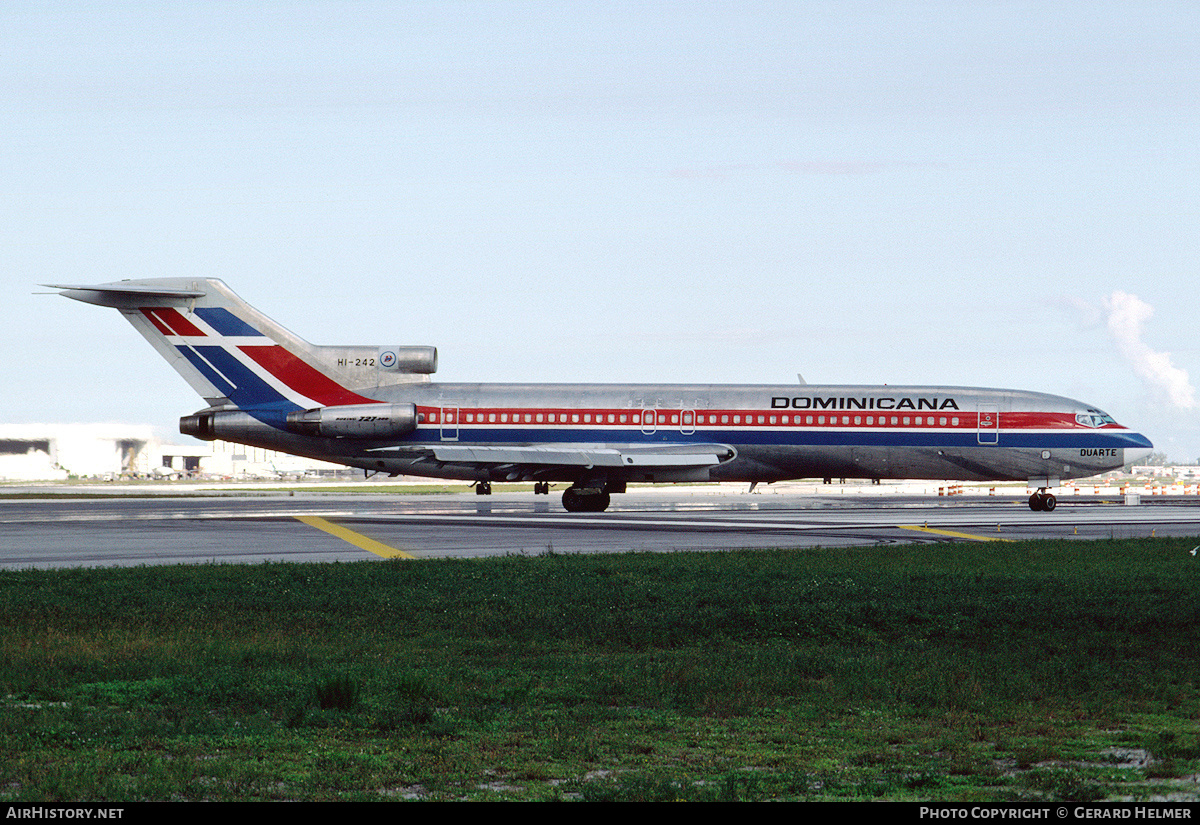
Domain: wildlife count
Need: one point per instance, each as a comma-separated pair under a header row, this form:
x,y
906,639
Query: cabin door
x,y
687,422
988,432
649,420
450,423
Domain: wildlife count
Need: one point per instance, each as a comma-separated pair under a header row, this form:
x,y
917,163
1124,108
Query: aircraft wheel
x,y
576,502
1043,502
483,488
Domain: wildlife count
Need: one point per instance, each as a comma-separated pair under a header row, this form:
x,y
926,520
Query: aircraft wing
x,y
577,455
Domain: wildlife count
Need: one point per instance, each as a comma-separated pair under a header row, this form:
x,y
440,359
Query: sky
x,y
993,194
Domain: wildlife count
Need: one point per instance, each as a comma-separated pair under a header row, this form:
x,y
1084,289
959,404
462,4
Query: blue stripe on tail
x,y
225,322
234,379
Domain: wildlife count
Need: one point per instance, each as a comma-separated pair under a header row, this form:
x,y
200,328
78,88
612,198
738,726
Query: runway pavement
x,y
322,527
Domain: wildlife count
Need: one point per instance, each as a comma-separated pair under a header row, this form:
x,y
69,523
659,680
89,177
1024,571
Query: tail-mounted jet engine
x,y
355,421
413,361
349,421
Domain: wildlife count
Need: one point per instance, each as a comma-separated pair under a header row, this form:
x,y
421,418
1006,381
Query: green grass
x,y
1041,670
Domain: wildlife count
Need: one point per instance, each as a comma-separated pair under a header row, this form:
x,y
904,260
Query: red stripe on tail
x,y
302,378
168,321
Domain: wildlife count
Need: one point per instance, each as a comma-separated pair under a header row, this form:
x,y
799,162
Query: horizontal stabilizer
x,y
235,356
121,294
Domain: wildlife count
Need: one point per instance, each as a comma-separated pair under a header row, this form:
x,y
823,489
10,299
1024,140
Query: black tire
x,y
575,502
1049,502
572,501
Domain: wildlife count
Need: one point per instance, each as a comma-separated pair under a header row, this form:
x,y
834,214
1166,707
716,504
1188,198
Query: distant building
x,y
1166,470
229,460
48,452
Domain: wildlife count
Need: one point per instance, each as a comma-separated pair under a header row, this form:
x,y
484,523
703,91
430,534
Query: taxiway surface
x,y
323,527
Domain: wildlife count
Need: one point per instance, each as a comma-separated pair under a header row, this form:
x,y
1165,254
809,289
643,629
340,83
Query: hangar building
x,y
49,452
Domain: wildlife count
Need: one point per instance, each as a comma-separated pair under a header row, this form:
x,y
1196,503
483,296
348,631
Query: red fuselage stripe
x,y
1030,420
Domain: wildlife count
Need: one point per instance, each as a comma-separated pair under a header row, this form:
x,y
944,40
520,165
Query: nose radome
x,y
1134,455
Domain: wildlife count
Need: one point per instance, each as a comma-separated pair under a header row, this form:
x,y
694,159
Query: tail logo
x,y
252,373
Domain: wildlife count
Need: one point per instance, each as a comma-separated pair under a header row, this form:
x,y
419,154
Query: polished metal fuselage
x,y
775,432
375,408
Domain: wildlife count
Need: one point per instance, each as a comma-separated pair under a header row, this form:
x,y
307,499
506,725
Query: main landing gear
x,y
1042,501
484,488
576,500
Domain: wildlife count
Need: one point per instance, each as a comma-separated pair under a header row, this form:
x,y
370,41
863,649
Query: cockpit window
x,y
1093,418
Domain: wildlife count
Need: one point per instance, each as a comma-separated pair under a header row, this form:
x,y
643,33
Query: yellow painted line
x,y
970,536
357,539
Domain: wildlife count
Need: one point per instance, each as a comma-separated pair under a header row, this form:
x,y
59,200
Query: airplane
x,y
376,408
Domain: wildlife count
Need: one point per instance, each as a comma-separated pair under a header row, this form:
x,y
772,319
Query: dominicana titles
x,y
847,402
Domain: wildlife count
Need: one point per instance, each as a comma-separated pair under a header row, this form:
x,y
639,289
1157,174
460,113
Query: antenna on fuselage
x,y
801,377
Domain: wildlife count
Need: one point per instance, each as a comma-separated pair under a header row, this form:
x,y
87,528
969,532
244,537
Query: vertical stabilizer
x,y
236,357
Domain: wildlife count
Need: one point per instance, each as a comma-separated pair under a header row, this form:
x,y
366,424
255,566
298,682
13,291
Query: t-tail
x,y
238,359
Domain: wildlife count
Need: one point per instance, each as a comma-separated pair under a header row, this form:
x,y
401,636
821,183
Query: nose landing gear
x,y
1042,501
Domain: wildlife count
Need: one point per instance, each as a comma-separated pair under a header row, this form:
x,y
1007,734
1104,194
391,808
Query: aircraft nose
x,y
1133,455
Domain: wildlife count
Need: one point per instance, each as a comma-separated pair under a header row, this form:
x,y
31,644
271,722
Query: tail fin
x,y
236,357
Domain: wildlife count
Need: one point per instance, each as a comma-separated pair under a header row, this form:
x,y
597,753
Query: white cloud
x,y
1126,314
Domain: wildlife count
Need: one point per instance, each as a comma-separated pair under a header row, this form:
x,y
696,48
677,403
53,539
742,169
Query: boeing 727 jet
x,y
375,408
